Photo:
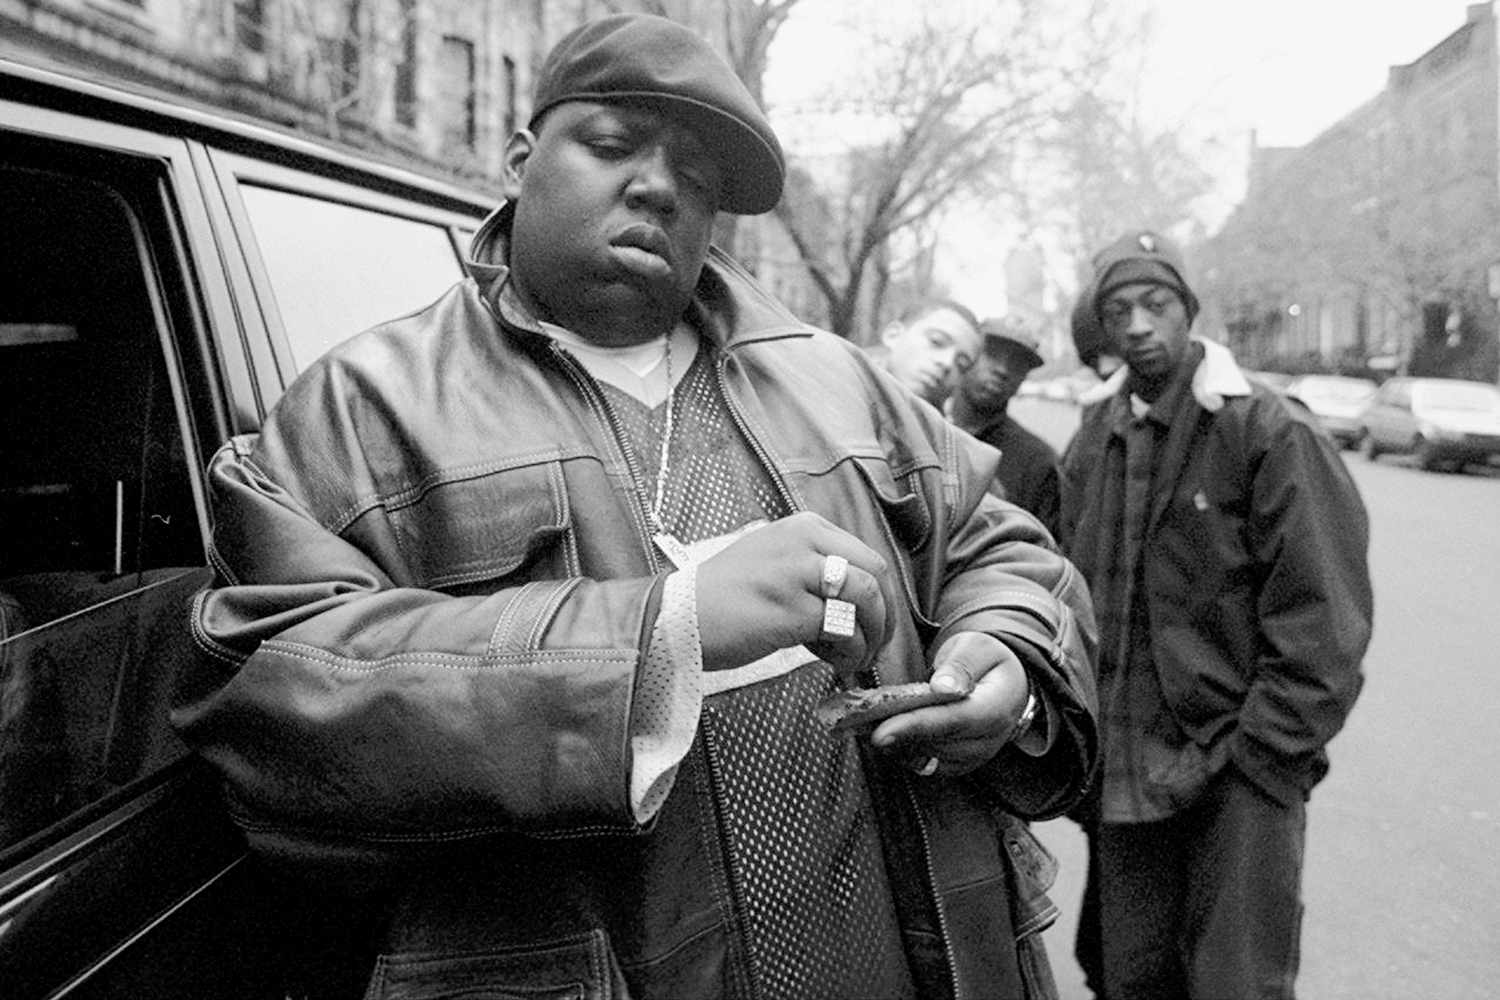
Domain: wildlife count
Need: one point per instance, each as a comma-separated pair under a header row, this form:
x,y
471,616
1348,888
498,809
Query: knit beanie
x,y
1089,337
1142,256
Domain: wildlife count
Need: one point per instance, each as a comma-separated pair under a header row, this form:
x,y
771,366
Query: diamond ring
x,y
835,571
838,618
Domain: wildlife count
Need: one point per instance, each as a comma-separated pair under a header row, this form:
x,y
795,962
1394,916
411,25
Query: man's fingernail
x,y
947,684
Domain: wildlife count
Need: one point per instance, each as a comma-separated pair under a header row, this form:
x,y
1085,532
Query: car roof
x,y
72,90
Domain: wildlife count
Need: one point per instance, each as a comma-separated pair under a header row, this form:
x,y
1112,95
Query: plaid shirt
x,y
1151,769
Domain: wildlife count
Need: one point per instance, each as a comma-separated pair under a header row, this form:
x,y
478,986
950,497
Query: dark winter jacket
x,y
1256,572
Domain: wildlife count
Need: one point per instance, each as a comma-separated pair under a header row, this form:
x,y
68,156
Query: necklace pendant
x,y
674,550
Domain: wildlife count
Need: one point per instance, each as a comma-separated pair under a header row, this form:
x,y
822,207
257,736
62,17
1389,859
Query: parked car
x,y
1337,401
1441,421
1276,381
166,272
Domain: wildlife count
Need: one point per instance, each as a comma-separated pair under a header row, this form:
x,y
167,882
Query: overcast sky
x,y
1285,68
1289,68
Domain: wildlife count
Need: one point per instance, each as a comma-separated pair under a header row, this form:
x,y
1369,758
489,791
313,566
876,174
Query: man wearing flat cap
x,y
535,608
1029,467
1225,546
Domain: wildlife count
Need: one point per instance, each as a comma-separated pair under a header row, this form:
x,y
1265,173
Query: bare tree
x,y
952,91
1101,166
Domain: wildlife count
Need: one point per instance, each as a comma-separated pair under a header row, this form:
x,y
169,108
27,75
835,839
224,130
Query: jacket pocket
x,y
575,968
462,531
904,508
1032,870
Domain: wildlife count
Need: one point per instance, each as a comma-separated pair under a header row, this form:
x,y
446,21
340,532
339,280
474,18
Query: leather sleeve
x,y
341,706
1003,575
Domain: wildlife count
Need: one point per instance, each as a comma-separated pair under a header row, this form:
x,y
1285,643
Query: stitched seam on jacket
x,y
220,566
507,615
429,836
1007,600
548,611
208,643
450,661
411,494
520,626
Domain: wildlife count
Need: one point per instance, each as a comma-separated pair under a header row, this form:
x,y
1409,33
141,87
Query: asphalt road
x,y
1402,882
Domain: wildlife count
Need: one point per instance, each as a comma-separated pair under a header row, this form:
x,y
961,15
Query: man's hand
x,y
764,593
965,734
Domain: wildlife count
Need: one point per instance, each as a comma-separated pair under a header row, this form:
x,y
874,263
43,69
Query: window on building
x,y
351,47
511,84
1458,137
456,92
406,68
250,24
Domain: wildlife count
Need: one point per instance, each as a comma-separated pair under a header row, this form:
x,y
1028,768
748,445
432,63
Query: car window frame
x,y
232,170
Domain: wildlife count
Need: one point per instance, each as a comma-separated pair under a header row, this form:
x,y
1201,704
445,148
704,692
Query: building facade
x,y
435,83
1376,247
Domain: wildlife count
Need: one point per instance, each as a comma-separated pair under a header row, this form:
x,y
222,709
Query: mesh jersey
x,y
801,852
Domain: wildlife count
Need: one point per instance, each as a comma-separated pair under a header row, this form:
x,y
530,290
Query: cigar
x,y
863,708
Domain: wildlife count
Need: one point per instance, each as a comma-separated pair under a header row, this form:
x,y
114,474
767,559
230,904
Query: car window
x,y
337,269
100,538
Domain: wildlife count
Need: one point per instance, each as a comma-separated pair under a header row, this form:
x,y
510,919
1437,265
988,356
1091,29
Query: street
x,y
1402,883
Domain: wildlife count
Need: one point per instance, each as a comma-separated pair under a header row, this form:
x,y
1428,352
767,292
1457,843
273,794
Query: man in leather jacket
x,y
527,604
1225,545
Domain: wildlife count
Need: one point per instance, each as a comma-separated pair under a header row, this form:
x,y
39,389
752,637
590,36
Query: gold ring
x,y
835,571
838,618
929,768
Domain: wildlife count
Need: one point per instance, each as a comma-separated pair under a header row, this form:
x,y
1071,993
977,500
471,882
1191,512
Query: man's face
x,y
989,385
928,353
1148,325
614,205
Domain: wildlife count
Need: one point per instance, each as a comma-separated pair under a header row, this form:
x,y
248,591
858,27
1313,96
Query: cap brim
x,y
1023,351
750,169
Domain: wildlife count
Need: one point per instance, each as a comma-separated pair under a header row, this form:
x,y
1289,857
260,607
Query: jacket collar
x,y
1218,377
729,306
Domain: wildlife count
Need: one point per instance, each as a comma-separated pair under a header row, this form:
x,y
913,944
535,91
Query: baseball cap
x,y
1016,336
646,59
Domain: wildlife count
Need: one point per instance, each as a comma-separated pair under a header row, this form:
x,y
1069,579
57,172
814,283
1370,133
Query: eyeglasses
x,y
1117,312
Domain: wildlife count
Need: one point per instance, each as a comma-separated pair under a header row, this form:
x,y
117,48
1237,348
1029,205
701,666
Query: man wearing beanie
x,y
1028,474
1225,546
534,608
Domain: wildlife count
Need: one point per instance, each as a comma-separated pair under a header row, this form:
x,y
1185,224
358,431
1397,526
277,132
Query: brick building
x,y
439,83
1376,246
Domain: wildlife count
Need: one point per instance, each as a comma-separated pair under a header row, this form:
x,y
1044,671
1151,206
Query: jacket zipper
x,y
937,903
761,453
606,416
734,878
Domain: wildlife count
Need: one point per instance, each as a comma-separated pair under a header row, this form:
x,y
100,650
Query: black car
x,y
166,273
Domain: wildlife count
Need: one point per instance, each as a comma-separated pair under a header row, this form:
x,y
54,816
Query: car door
x,y
119,875
165,276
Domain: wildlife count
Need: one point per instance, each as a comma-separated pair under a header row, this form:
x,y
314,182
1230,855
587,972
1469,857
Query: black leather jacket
x,y
432,598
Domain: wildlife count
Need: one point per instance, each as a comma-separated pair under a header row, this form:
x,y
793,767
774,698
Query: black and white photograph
x,y
749,499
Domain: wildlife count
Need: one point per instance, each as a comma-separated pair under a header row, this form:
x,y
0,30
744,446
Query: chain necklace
x,y
666,443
